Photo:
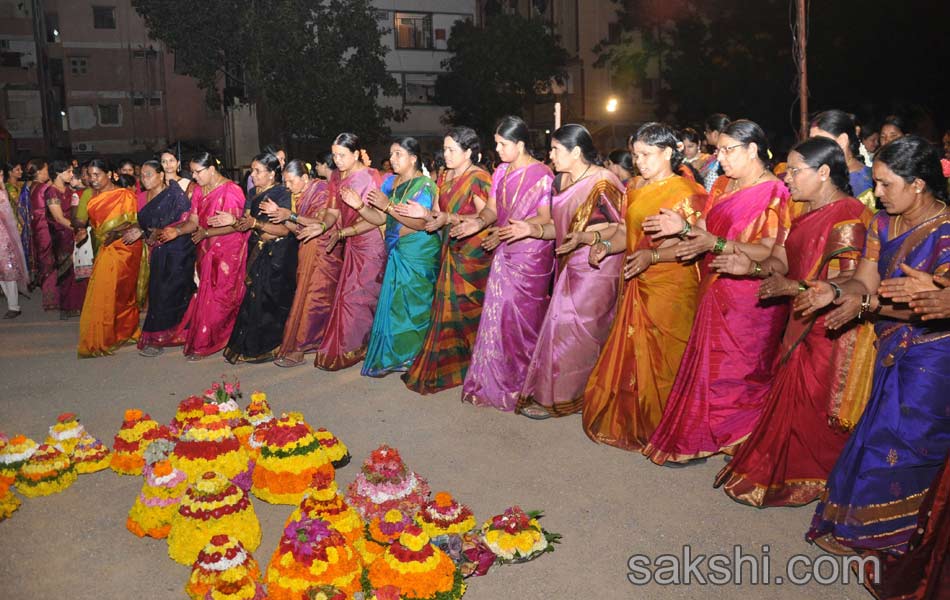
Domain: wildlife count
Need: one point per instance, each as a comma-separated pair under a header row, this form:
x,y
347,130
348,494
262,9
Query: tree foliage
x,y
497,69
314,67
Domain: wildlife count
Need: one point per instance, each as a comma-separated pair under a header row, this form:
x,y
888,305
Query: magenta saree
x,y
583,301
728,365
71,293
44,261
220,264
517,293
361,276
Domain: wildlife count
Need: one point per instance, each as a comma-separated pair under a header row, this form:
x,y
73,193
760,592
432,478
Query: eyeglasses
x,y
193,173
793,171
727,149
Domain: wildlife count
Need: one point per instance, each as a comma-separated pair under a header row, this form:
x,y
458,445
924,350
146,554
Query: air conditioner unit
x,y
79,147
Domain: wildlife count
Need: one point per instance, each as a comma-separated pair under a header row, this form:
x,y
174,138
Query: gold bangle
x,y
362,206
597,238
540,231
654,256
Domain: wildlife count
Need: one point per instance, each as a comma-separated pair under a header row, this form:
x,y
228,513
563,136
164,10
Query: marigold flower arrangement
x,y
381,532
225,565
190,410
385,483
48,471
516,536
323,501
416,568
91,455
130,443
8,500
66,432
226,395
210,445
310,554
258,411
326,592
14,455
156,505
211,506
336,450
289,458
445,516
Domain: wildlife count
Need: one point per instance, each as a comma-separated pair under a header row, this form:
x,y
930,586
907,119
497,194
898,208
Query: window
x,y
110,115
413,31
78,65
139,99
650,89
103,17
419,88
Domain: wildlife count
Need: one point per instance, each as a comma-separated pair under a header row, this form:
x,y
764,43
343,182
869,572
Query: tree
x,y
314,67
497,70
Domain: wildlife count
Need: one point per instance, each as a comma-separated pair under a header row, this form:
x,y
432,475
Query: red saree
x,y
729,361
787,458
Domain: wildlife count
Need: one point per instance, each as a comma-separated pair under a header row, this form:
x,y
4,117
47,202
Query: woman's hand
x,y
466,227
492,241
818,295
332,239
933,304
276,213
733,264
412,210
903,289
199,235
436,221
776,285
246,223
517,230
308,232
666,223
222,219
848,308
376,198
167,234
131,236
80,236
636,262
699,241
573,240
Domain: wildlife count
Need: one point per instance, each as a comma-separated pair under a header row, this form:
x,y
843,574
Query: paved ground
x,y
608,504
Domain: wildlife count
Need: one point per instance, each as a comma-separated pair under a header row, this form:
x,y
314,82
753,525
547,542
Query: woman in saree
x,y
787,457
709,171
271,273
13,271
462,216
60,204
13,183
165,226
586,210
364,258
41,238
221,255
843,129
405,299
171,168
887,466
318,271
110,313
728,364
627,390
517,292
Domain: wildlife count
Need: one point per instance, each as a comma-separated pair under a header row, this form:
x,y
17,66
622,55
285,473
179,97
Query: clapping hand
x,y
222,219
666,223
933,304
276,213
903,289
412,210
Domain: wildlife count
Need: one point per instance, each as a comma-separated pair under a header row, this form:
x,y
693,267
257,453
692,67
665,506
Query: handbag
x,y
83,258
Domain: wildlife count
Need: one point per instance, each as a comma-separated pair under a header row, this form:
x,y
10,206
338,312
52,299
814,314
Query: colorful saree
x,y
12,260
271,282
862,186
23,217
405,299
517,293
220,263
71,292
318,272
13,195
628,388
459,293
881,477
41,241
728,364
583,301
110,313
789,454
171,280
357,292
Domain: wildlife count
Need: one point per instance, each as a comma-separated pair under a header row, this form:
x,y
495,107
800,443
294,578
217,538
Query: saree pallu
x,y
517,293
459,294
13,196
110,313
12,261
171,280
862,186
271,283
318,272
71,293
220,264
628,388
729,361
405,299
787,457
41,241
583,301
881,477
357,292
23,217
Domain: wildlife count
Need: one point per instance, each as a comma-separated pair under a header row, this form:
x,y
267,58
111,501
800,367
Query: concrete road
x,y
608,504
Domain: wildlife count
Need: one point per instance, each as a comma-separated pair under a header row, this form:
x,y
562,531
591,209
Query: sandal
x,y
534,411
193,357
12,314
287,362
151,351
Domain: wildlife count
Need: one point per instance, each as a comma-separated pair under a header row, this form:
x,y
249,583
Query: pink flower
x,y
946,167
215,386
228,388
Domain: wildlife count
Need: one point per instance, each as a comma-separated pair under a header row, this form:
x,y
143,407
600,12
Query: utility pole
x,y
802,69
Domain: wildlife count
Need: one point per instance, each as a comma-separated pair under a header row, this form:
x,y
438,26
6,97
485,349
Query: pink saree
x,y
727,369
44,259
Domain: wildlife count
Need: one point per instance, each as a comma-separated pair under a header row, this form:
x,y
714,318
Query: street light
x,y
612,104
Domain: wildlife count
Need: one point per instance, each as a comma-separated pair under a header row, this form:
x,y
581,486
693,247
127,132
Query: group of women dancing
x,y
779,322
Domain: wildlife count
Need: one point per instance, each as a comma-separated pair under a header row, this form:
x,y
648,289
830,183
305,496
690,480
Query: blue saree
x,y
878,483
405,300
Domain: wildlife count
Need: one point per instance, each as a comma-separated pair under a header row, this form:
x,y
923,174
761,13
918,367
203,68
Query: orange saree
x,y
110,313
628,388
